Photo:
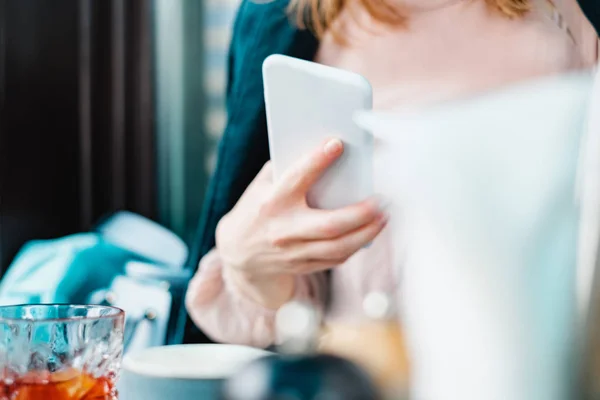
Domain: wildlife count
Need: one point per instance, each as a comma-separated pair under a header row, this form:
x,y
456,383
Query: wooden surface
x,y
378,347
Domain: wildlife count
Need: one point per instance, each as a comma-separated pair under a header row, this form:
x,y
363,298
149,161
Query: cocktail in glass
x,y
60,352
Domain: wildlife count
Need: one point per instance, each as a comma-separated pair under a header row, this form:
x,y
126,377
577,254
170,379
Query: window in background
x,y
191,45
218,22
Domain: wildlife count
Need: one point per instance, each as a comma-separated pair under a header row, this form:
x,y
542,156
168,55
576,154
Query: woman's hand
x,y
271,235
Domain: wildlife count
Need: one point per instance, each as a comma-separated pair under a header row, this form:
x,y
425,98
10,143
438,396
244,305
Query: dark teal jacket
x,y
261,29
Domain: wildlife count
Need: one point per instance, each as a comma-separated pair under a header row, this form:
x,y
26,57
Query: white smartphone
x,y
306,103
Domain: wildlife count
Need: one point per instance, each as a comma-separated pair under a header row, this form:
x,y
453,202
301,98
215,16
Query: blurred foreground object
x,y
589,234
486,192
376,343
299,373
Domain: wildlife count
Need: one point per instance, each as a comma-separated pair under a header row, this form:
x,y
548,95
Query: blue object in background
x,y
63,270
70,269
128,262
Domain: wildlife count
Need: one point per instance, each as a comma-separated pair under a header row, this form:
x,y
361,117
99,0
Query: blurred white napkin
x,y
486,219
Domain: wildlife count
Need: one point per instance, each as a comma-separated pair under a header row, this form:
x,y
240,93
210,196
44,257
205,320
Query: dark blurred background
x,y
107,105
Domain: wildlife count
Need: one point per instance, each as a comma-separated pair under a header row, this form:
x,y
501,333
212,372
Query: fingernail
x,y
333,146
381,203
384,219
384,206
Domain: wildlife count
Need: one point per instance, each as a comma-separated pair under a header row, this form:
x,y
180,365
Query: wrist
x,y
268,290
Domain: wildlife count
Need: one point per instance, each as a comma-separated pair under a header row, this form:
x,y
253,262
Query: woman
x,y
270,247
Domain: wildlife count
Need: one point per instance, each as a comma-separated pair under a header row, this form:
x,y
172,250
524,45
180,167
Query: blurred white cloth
x,y
485,215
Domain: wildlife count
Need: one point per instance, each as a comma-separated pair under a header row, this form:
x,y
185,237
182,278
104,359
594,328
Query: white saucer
x,y
198,361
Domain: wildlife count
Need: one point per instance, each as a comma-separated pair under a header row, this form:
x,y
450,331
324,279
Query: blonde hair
x,y
318,15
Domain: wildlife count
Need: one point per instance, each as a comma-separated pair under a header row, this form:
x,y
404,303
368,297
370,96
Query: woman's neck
x,y
453,18
434,16
419,7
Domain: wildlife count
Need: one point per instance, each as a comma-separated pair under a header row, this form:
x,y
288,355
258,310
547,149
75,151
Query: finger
x,y
291,264
330,224
311,267
266,172
343,247
301,176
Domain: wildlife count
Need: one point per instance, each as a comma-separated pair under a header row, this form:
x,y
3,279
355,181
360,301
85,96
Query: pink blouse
x,y
219,308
